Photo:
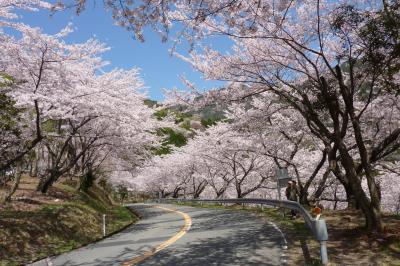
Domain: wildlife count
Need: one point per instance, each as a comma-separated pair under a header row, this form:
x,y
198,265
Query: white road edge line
x,y
285,243
48,261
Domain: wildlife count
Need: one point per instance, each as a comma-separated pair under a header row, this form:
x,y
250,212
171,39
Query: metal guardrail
x,y
317,226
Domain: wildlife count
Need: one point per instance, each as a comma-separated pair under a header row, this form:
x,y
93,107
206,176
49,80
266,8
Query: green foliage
x,y
120,216
103,183
172,137
208,116
150,103
186,124
122,192
10,120
162,150
208,122
380,33
9,114
179,116
162,113
50,126
87,180
182,117
6,80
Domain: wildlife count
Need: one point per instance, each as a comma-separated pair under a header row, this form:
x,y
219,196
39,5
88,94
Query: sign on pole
x,y
282,179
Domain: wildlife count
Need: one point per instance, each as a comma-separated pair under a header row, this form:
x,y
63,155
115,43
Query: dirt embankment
x,y
34,226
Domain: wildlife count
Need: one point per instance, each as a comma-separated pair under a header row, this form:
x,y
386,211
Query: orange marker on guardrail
x,y
317,211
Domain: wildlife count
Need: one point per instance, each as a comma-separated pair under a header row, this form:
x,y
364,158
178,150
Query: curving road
x,y
181,235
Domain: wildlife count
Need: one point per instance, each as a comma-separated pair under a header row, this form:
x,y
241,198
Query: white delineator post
x,y
104,225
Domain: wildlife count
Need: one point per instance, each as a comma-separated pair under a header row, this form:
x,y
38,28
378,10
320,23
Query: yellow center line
x,y
184,229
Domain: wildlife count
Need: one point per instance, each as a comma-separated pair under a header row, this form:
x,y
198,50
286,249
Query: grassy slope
x,y
347,245
36,226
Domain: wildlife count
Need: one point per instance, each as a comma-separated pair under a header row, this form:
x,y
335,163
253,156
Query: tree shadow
x,y
227,238
217,237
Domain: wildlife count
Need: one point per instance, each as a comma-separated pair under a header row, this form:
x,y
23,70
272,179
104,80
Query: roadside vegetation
x,y
312,91
35,225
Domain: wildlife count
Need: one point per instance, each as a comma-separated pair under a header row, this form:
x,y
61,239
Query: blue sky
x,y
158,69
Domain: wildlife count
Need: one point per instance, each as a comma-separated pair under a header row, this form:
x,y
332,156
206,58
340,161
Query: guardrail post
x,y
324,253
321,233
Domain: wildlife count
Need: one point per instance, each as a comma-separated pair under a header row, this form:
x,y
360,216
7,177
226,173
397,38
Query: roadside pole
x,y
321,233
104,225
282,179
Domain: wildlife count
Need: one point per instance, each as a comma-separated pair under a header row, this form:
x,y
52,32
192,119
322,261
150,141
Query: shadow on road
x,y
226,238
217,237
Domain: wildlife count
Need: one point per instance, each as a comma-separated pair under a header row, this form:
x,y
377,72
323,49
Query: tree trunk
x,y
370,206
7,197
175,194
219,193
239,194
197,191
351,200
321,185
303,198
31,162
46,182
355,193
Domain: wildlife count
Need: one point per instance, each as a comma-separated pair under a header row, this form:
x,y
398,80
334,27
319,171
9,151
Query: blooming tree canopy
x,y
70,110
332,62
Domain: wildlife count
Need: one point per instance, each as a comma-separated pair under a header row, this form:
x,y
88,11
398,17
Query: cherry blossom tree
x,y
219,158
8,8
7,19
333,63
281,136
78,114
324,59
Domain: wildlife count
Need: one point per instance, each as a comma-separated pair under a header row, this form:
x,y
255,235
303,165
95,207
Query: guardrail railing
x,y
317,226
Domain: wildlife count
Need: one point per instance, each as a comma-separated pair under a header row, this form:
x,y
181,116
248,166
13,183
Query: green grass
x,y
26,236
121,217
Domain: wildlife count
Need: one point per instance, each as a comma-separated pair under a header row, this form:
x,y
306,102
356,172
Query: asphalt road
x,y
164,237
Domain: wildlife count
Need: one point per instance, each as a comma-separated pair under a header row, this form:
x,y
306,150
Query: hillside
x,y
34,226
